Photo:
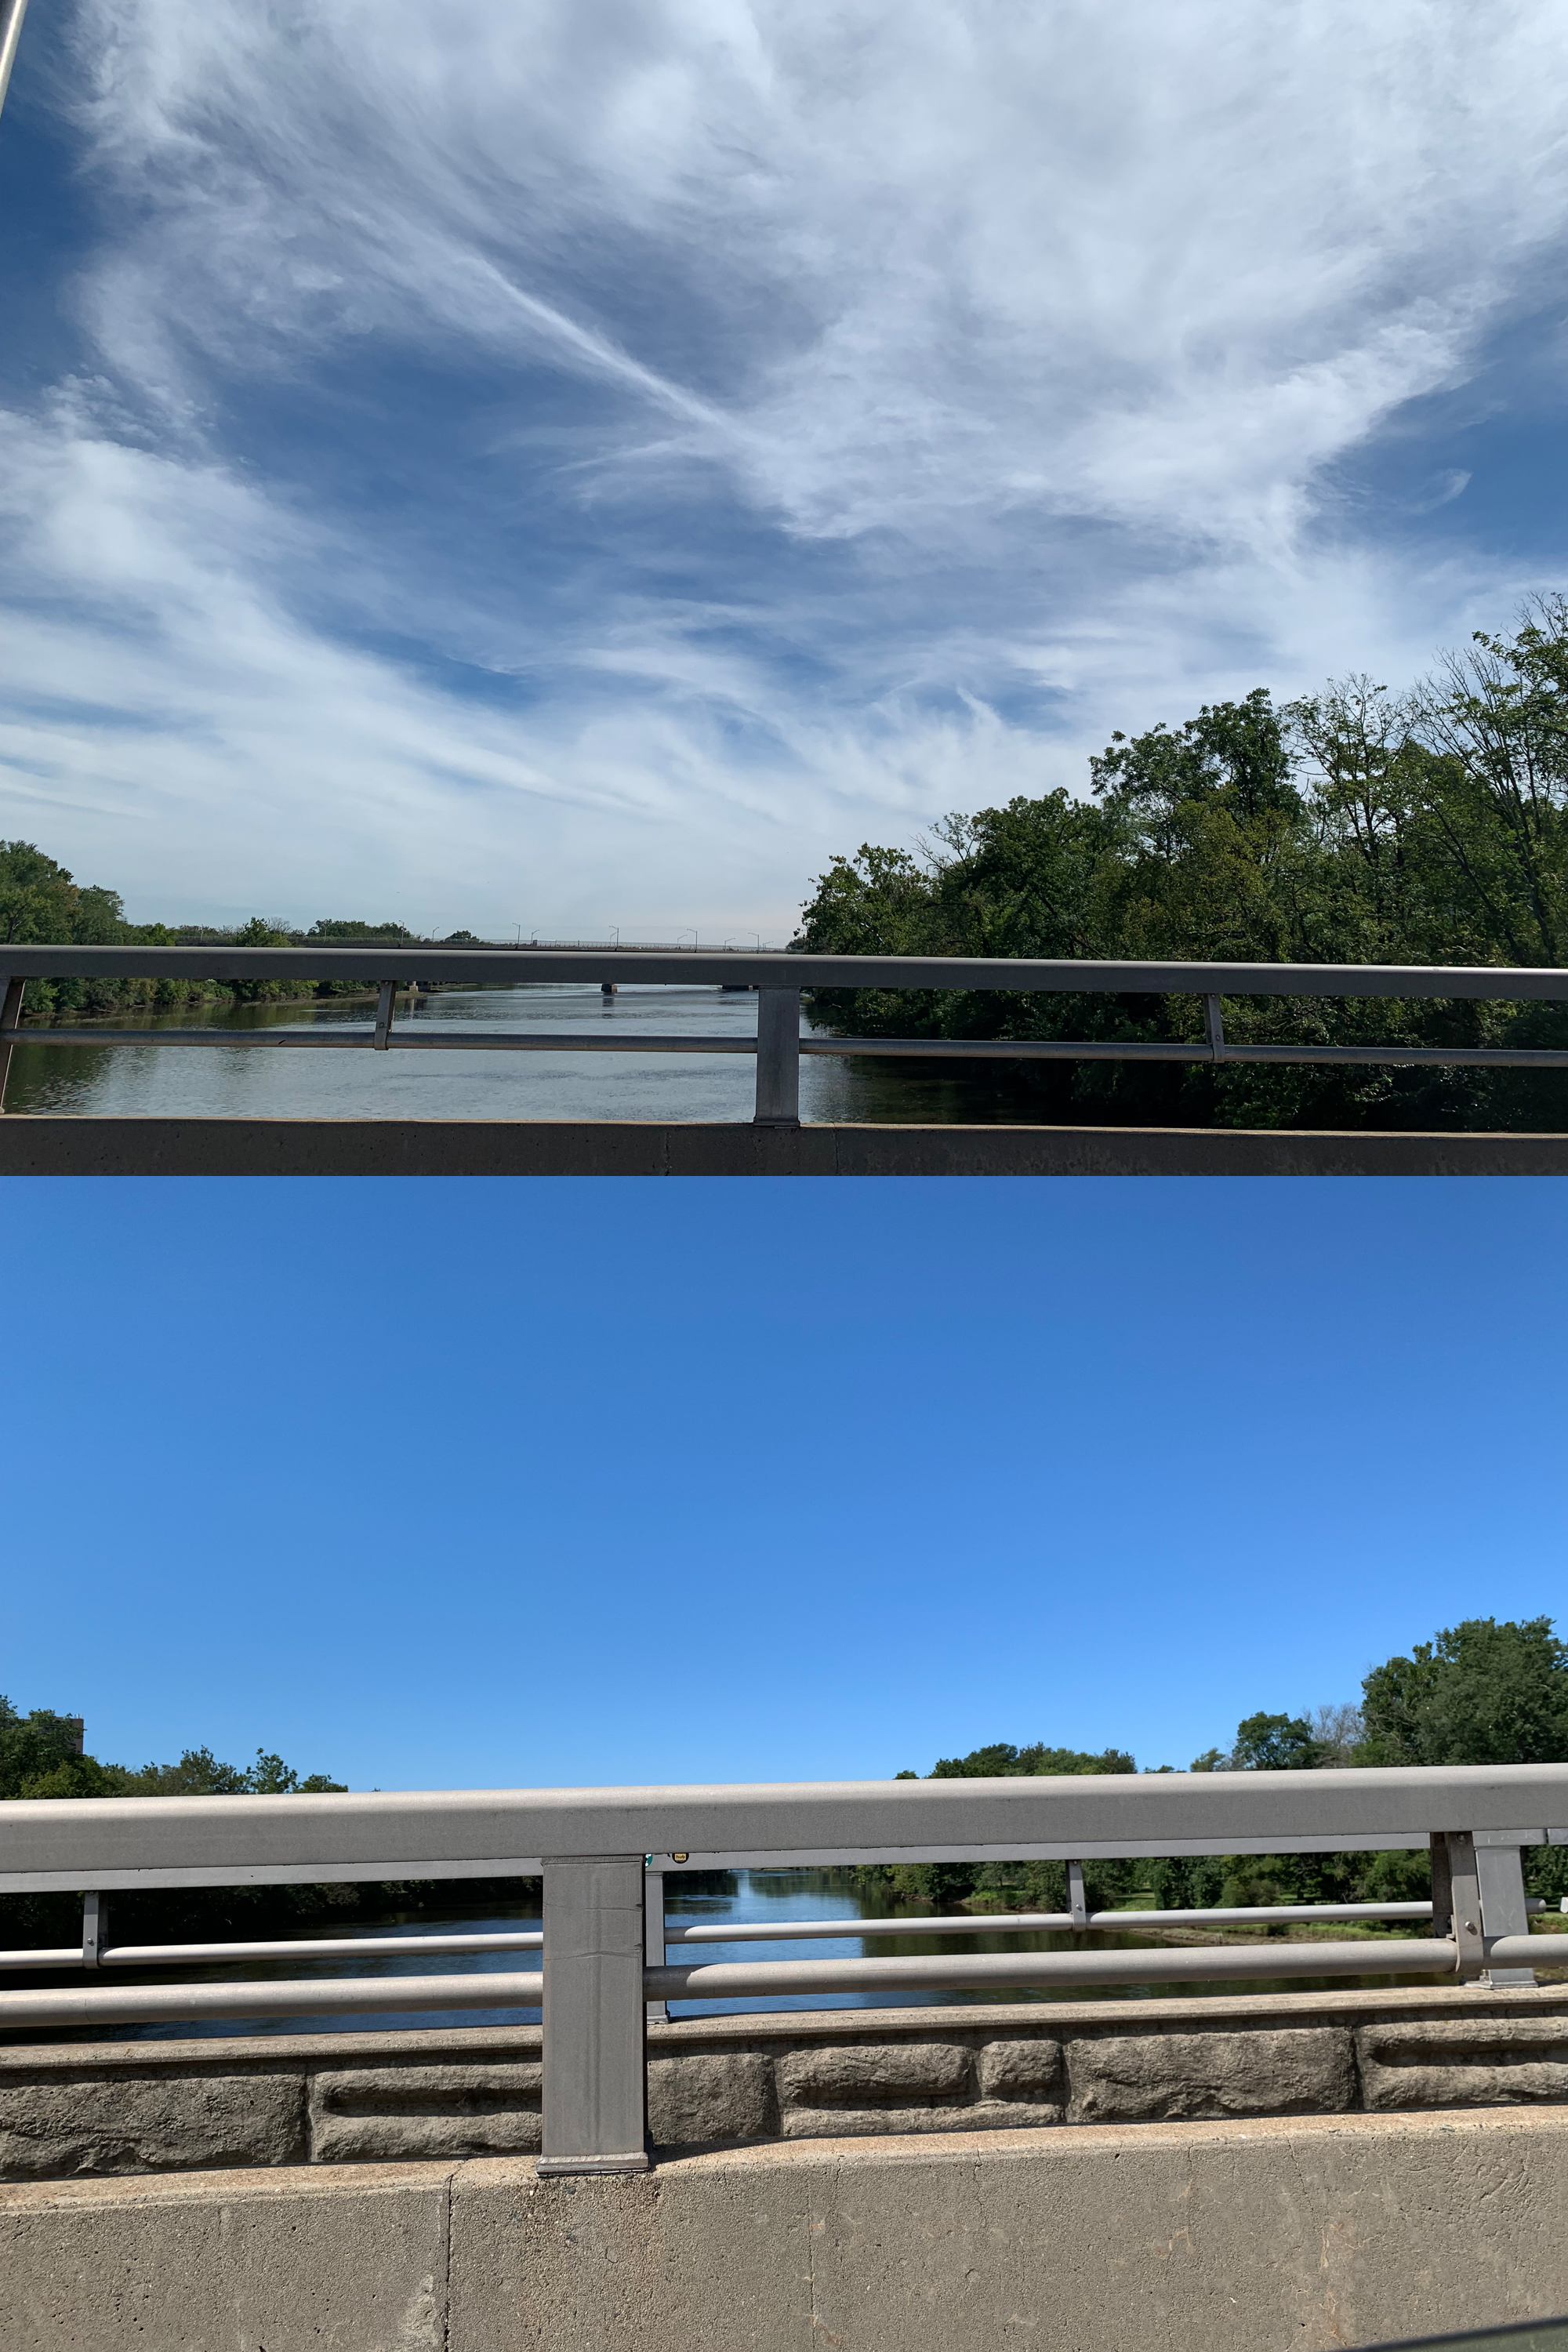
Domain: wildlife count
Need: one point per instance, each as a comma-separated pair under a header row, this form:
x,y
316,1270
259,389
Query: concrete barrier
x,y
46,1146
1320,2232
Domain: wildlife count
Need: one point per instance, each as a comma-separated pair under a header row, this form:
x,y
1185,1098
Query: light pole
x,y
11,14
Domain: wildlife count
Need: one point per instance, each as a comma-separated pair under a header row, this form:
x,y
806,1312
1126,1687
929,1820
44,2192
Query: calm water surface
x,y
177,1081
743,1895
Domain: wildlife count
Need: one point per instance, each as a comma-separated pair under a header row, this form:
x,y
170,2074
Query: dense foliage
x,y
42,904
37,1759
1477,1693
1354,826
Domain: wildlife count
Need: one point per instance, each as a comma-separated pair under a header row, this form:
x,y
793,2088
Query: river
x,y
250,1082
754,1895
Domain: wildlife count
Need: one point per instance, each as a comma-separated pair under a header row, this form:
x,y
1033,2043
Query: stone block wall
x,y
82,2111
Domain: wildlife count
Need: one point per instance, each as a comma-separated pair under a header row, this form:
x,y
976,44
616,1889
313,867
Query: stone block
x,y
1021,2070
871,2123
904,2075
1182,2077
700,2099
393,2114
57,2127
1479,2062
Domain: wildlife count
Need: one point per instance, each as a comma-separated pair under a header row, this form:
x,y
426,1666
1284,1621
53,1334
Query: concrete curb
x,y
33,1146
1320,2233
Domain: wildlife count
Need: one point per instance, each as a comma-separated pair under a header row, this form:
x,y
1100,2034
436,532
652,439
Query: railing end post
x,y
778,1057
595,2024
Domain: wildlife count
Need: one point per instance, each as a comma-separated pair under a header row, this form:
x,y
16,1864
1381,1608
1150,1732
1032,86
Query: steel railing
x,y
779,979
91,1953
608,1858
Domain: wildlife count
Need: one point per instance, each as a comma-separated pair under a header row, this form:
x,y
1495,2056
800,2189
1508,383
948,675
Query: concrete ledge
x,y
1320,2233
259,2262
412,1146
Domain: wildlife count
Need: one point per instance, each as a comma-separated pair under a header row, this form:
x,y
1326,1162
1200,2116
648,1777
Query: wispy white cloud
x,y
840,413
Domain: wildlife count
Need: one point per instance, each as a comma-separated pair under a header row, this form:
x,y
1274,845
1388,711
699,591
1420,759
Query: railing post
x,y
596,2076
94,1929
1077,1903
11,995
1457,1898
1500,1878
1213,1028
654,1952
385,1002
778,1057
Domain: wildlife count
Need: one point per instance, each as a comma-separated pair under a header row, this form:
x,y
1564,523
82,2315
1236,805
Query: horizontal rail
x,y
359,1948
1022,974
743,1979
340,1036
1026,1923
88,2006
1527,1951
111,1842
925,1049
148,1955
788,1979
1069,1049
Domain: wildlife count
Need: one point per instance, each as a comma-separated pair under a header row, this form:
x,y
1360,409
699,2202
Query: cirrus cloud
x,y
576,462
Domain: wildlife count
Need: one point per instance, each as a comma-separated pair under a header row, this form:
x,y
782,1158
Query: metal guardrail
x,y
779,981
608,1855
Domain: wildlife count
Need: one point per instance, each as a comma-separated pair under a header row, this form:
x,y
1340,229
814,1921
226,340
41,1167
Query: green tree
x,y
1003,1761
349,933
39,1758
1275,1743
1479,1693
1351,826
938,1887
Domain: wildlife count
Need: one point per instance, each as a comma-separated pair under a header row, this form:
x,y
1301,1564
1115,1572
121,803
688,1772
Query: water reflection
x,y
742,1895
185,1081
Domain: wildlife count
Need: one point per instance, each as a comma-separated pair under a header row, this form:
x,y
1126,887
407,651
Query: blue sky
x,y
576,463
572,462
473,1483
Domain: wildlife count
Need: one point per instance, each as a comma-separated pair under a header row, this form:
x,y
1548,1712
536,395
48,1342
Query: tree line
x,y
42,904
38,1759
1357,826
1479,1692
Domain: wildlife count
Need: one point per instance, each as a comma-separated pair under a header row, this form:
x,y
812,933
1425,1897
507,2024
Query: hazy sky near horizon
x,y
571,462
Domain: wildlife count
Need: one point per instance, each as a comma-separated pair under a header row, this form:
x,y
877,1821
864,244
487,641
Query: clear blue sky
x,y
436,1484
